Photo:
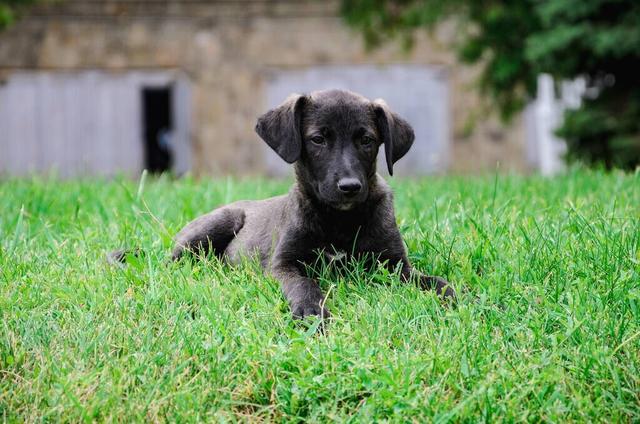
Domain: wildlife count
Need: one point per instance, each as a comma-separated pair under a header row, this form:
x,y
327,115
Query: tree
x,y
514,41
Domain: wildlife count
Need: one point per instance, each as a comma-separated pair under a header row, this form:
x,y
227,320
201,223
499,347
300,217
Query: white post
x,y
547,111
547,117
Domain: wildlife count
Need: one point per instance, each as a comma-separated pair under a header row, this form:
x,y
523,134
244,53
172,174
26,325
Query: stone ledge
x,y
184,9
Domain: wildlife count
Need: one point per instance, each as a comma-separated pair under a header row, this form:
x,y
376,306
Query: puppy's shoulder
x,y
381,191
383,212
267,206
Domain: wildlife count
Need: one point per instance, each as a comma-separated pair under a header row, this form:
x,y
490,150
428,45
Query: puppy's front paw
x,y
440,286
305,308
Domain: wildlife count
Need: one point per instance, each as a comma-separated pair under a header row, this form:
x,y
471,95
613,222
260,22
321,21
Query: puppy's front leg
x,y
428,282
303,294
393,253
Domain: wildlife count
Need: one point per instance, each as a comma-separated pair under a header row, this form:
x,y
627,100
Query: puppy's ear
x,y
397,134
281,128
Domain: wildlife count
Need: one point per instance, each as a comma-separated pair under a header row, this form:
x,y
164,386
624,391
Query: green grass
x,y
547,327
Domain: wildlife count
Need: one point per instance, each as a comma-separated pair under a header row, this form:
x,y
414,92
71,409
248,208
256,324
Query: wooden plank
x,y
5,145
181,137
51,137
130,142
83,123
23,132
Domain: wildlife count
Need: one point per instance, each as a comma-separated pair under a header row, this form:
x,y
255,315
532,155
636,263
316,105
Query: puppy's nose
x,y
349,186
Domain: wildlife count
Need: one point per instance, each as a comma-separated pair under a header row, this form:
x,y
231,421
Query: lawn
x,y
547,327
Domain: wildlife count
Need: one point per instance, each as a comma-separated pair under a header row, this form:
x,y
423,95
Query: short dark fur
x,y
338,203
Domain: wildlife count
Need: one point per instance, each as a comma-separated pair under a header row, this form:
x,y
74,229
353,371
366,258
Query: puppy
x,y
337,204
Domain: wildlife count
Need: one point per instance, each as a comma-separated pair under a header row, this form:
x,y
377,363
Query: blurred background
x,y
108,87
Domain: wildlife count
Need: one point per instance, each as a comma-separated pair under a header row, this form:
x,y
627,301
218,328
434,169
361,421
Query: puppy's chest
x,y
336,256
339,240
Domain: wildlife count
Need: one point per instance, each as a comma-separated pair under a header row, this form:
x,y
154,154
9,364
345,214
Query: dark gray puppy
x,y
338,203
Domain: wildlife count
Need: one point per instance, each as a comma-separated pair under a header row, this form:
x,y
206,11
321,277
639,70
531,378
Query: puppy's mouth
x,y
344,203
340,201
345,206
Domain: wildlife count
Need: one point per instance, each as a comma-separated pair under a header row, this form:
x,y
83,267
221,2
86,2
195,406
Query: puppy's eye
x,y
317,139
366,140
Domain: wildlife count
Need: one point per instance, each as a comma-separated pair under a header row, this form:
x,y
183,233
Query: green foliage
x,y
547,327
515,41
10,9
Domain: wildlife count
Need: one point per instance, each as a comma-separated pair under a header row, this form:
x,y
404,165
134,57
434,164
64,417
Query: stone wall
x,y
227,49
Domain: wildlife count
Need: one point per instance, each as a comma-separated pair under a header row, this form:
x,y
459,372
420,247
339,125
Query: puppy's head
x,y
333,137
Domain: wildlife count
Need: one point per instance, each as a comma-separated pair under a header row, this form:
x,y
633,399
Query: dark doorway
x,y
156,104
